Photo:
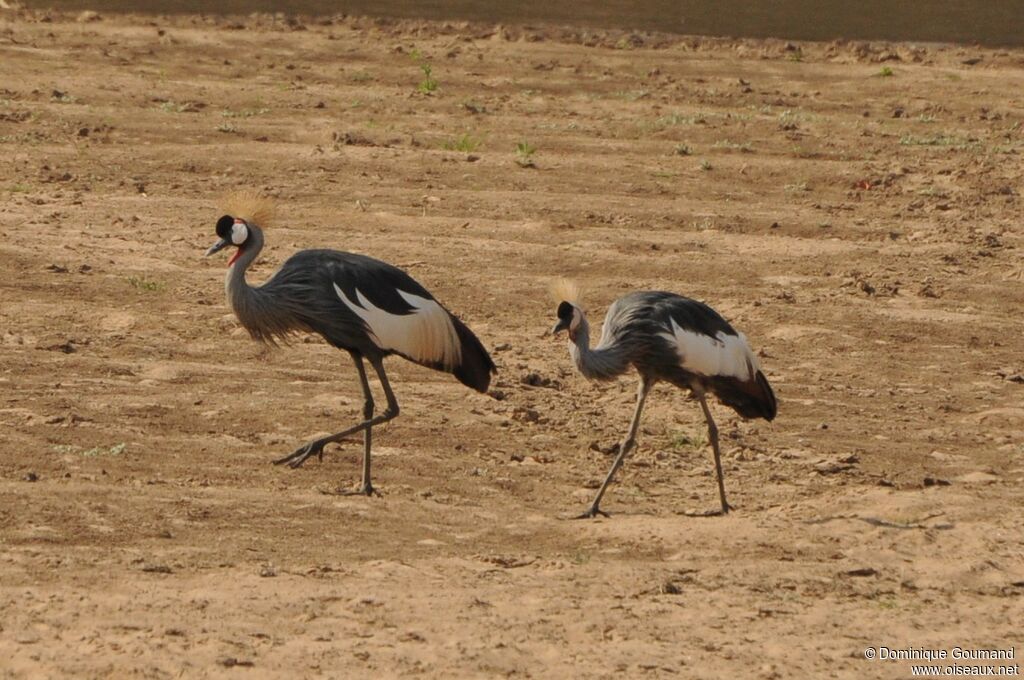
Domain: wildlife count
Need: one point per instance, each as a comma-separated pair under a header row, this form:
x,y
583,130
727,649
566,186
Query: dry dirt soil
x,y
855,209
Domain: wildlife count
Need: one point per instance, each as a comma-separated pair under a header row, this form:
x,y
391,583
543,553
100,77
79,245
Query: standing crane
x,y
666,337
358,304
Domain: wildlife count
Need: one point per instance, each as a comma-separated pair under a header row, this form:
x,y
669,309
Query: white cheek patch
x,y
722,355
425,334
239,232
577,317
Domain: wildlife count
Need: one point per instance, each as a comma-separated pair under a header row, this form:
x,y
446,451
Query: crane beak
x,y
559,327
221,244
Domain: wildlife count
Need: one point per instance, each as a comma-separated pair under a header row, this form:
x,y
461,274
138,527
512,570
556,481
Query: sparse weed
x,y
115,450
705,165
682,150
886,72
733,146
684,440
524,155
798,187
579,557
19,188
145,284
429,84
226,127
465,143
674,119
361,77
245,113
63,97
938,140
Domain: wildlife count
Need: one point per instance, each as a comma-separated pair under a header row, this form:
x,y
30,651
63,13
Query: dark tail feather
x,y
750,398
476,366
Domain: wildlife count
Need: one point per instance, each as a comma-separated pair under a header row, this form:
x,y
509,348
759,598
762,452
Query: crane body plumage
x,y
364,306
671,338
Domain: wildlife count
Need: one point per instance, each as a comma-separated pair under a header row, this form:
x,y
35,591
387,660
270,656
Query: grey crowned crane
x,y
358,304
667,337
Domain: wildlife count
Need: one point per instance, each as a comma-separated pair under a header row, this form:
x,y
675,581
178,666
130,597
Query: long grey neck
x,y
602,363
242,297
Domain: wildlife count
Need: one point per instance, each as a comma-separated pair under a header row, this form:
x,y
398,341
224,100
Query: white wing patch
x,y
425,334
724,355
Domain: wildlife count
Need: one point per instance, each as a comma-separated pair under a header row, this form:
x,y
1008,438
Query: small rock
x,y
31,477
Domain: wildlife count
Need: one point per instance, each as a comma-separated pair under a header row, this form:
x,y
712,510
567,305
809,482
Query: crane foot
x,y
364,490
299,456
592,513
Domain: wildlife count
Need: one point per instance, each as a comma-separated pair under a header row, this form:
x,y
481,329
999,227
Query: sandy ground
x,y
854,209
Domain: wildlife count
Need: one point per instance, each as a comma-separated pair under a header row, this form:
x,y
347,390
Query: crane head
x,y
232,231
569,318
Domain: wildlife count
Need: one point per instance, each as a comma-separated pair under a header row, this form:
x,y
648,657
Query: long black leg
x,y
624,448
313,448
366,488
713,436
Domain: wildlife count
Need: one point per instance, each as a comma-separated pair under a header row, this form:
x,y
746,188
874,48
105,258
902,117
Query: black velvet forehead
x,y
565,311
224,225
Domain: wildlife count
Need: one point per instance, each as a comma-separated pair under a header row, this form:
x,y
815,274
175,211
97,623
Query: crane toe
x,y
299,456
363,490
592,513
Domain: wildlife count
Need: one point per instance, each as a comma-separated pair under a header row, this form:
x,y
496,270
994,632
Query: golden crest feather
x,y
251,206
566,290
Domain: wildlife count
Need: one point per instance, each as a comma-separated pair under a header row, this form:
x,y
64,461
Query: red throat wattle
x,y
237,254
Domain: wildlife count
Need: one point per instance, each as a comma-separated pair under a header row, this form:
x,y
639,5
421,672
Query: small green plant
x,y
63,97
226,127
245,113
115,450
886,72
705,165
360,77
734,146
465,143
795,55
683,150
674,119
429,84
145,284
20,188
939,140
524,155
684,440
798,187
